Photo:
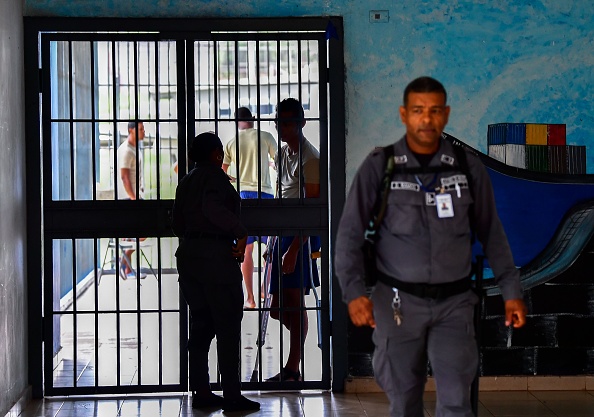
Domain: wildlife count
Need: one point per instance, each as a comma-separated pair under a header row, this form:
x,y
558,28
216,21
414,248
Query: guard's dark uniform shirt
x,y
415,245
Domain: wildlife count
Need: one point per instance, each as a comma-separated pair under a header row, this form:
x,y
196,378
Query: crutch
x,y
267,302
310,258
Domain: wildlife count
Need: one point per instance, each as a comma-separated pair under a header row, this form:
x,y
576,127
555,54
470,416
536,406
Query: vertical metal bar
x,y
236,89
139,174
48,328
160,310
186,97
228,72
157,117
96,309
74,317
300,97
93,136
280,167
247,73
301,307
118,315
308,42
338,181
268,70
34,52
258,119
297,65
138,313
115,117
216,85
325,279
323,118
71,119
136,119
281,301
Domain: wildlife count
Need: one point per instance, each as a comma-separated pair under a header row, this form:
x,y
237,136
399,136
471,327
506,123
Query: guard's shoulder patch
x,y
446,159
400,159
378,150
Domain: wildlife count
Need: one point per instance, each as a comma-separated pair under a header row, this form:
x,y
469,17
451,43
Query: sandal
x,y
285,375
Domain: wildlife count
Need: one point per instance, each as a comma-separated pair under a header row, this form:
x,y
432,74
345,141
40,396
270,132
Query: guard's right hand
x,y
361,312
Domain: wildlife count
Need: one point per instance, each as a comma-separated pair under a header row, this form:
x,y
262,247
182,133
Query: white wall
x,y
13,294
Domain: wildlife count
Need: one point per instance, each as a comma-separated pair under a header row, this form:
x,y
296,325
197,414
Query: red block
x,y
556,135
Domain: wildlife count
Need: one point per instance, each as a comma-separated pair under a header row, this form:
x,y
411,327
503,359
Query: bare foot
x,y
249,304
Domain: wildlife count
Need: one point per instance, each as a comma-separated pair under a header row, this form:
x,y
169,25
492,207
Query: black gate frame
x,y
313,216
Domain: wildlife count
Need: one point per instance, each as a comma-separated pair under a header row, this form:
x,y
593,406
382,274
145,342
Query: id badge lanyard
x,y
443,200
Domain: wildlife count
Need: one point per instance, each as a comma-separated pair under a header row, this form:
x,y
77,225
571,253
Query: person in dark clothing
x,y
212,246
422,306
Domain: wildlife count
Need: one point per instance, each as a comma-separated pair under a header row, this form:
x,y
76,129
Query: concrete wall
x,y
501,61
13,295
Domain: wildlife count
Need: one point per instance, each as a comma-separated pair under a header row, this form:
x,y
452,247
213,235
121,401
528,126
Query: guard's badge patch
x,y
430,199
449,183
400,159
446,159
405,186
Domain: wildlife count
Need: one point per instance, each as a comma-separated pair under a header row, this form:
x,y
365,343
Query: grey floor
x,y
316,404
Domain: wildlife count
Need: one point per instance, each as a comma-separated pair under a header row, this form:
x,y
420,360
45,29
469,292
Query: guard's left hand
x,y
515,313
238,249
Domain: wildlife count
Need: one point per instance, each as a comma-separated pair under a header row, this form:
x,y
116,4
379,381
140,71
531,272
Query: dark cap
x,y
244,114
203,145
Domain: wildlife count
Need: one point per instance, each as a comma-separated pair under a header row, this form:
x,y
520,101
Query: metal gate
x,y
113,317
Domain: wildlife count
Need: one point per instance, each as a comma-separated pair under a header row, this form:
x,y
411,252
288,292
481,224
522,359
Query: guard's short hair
x,y
423,85
291,105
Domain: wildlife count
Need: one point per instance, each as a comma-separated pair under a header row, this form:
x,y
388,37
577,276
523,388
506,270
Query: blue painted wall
x,y
501,61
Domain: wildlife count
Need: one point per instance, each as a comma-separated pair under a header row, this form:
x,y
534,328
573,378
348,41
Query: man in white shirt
x,y
257,150
131,182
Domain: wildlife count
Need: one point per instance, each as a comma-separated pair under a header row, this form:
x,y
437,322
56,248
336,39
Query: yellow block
x,y
536,134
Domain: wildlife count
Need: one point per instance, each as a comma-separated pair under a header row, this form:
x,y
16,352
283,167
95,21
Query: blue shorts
x,y
300,277
253,195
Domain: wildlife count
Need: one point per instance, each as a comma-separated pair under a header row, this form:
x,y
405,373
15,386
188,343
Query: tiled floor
x,y
317,404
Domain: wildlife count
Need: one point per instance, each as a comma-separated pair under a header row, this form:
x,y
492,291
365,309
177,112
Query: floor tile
x,y
316,404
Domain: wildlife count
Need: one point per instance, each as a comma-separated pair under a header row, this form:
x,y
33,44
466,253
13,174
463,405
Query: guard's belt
x,y
208,235
433,291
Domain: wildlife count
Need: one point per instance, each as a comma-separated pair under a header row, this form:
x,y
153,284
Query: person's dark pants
x,y
215,310
211,283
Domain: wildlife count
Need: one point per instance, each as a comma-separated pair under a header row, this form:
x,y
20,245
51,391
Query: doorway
x,y
113,318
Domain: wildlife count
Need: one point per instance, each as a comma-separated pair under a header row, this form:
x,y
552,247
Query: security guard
x,y
212,244
422,306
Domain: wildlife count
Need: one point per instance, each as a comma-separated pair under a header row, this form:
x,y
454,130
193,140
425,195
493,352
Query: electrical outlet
x,y
379,16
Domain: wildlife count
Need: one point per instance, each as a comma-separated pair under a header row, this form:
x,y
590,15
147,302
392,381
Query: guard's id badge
x,y
445,207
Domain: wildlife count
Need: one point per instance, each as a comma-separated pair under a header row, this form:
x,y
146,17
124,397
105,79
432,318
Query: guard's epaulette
x,y
378,150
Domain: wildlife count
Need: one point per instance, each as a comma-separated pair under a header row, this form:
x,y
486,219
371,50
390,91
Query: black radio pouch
x,y
377,216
